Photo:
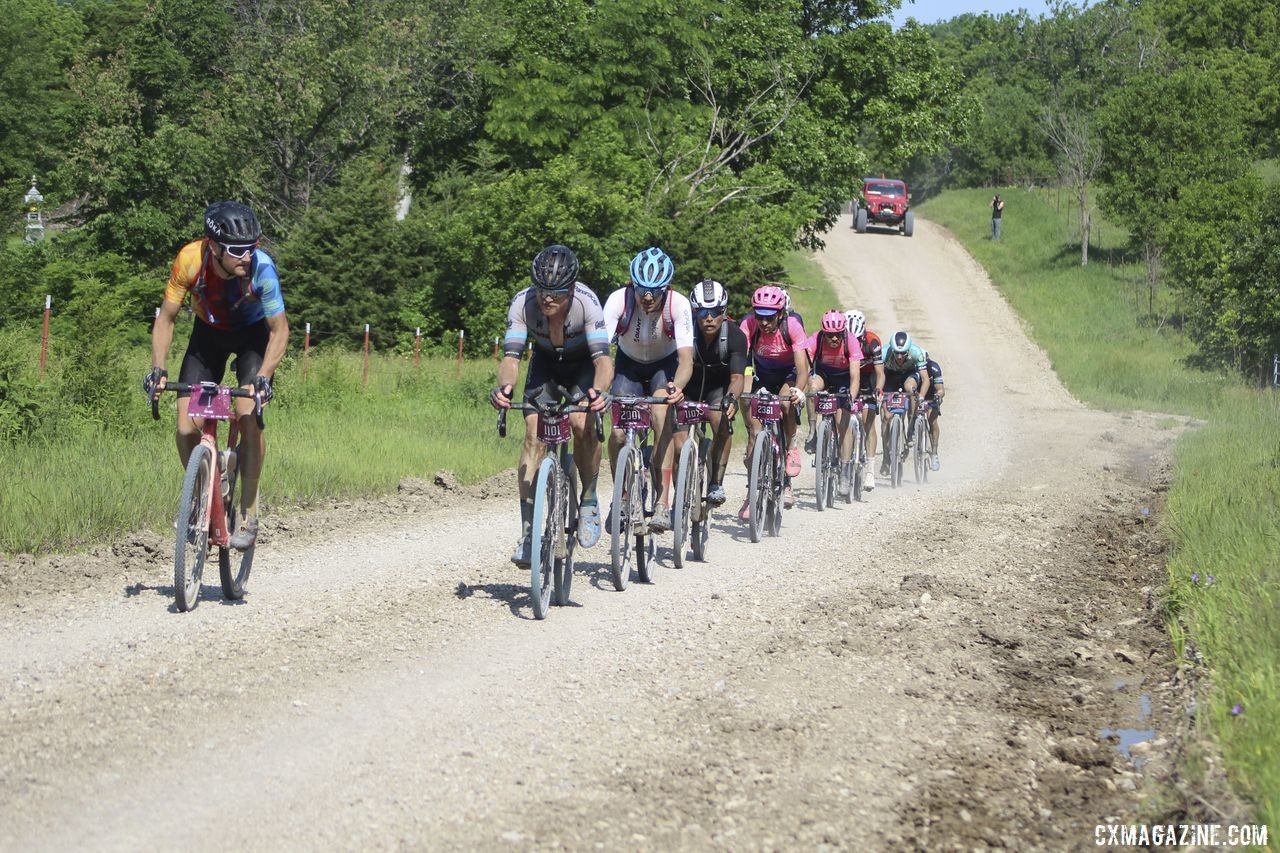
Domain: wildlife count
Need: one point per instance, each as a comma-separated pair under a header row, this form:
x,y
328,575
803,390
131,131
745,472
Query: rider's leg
x,y
721,445
188,432
934,429
846,434
586,453
816,384
250,454
663,447
531,453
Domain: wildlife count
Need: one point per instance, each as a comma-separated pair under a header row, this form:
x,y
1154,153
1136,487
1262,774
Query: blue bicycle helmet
x,y
901,343
652,269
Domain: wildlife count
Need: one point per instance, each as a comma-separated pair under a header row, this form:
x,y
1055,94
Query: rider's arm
x,y
162,332
801,356
509,371
604,373
924,383
684,367
277,343
879,379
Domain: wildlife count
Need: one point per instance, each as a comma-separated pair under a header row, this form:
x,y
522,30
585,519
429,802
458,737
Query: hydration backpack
x,y
668,318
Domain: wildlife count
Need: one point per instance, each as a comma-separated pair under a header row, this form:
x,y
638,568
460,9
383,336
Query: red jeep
x,y
884,202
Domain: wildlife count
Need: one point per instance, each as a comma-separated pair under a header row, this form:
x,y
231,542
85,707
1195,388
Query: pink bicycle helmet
x,y
769,298
833,322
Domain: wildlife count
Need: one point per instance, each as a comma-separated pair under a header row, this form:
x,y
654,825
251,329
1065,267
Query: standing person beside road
x,y
997,208
570,357
719,364
239,311
654,329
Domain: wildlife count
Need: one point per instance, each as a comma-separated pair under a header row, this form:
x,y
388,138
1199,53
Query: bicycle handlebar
x,y
556,408
191,387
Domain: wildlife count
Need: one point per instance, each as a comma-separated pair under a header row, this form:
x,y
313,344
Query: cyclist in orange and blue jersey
x,y
239,311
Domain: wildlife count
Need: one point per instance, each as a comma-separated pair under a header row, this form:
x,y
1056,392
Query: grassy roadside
x,y
1223,511
329,436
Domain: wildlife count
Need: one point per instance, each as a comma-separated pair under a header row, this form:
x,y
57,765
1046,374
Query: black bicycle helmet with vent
x,y
555,268
232,223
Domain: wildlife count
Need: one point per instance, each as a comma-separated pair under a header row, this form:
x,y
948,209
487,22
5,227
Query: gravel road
x,y
937,667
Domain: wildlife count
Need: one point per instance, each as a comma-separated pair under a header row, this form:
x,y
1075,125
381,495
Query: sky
x,y
932,11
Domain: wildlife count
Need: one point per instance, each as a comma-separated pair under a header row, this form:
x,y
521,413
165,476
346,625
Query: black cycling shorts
x,y
546,372
897,381
209,349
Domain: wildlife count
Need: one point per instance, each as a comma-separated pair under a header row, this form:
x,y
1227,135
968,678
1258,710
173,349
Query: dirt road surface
x,y
962,664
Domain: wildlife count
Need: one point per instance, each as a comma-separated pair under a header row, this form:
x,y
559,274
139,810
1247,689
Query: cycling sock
x,y
717,473
589,492
526,518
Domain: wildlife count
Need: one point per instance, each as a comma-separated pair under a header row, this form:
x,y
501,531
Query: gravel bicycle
x,y
633,495
831,474
896,403
209,484
766,479
923,441
691,511
555,503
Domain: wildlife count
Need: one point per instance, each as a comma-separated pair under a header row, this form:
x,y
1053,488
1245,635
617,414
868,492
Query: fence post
x,y
417,345
1275,370
497,353
44,335
461,334
365,378
306,351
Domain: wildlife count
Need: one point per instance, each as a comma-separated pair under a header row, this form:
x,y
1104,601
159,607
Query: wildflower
x,y
1208,581
1237,709
1195,577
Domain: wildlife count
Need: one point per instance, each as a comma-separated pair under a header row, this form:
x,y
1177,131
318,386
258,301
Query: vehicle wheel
x,y
547,527
909,223
625,507
192,545
759,489
860,220
233,583
822,470
564,565
682,506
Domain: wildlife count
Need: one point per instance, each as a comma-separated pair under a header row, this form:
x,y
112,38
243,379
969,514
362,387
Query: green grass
x,y
328,437
811,293
1223,511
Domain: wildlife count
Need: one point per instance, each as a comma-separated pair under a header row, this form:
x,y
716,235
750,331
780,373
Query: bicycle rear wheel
x,y
701,525
759,486
233,581
547,527
682,505
857,464
773,508
920,455
192,525
622,515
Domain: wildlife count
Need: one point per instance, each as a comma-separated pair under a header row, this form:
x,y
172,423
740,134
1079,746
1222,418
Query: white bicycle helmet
x,y
709,293
857,322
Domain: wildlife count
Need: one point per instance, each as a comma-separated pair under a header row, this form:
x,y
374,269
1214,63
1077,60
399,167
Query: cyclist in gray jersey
x,y
570,357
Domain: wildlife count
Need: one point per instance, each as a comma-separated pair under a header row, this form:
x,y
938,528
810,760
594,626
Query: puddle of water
x,y
1123,740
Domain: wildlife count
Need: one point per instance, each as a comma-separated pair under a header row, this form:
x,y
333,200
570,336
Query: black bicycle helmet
x,y
232,223
555,268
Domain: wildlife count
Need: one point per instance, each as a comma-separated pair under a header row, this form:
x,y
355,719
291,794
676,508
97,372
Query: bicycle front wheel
x,y
682,506
546,529
759,485
824,470
858,465
895,451
192,528
700,528
569,522
623,514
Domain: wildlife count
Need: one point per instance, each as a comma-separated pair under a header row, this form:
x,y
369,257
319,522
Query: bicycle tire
x,y
699,530
895,451
621,513
682,506
543,532
758,486
192,529
233,583
858,466
773,515
646,556
564,565
919,458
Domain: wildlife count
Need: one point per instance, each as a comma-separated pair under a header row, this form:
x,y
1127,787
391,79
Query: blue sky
x,y
932,11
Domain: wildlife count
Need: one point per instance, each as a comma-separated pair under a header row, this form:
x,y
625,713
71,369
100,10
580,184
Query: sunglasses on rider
x,y
655,292
704,313
763,314
239,251
548,295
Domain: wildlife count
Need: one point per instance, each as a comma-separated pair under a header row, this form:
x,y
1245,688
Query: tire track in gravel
x,y
378,690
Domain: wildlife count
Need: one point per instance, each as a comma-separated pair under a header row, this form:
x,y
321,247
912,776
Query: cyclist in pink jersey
x,y
777,354
837,361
